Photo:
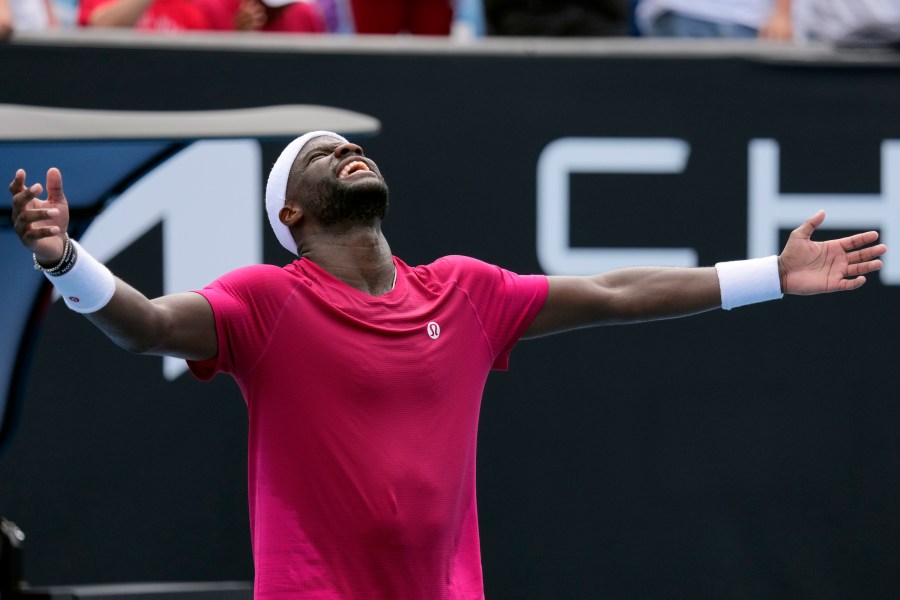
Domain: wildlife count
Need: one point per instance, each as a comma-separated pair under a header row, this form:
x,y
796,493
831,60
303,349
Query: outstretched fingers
x,y
847,285
22,194
855,269
39,233
809,226
18,182
55,186
858,241
866,254
36,223
862,261
32,219
35,215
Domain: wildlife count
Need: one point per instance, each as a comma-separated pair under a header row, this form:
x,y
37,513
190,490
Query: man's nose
x,y
347,149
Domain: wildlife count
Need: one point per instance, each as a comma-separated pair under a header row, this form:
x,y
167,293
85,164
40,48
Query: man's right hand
x,y
40,224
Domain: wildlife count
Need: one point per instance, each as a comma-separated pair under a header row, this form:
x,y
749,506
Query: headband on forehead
x,y
276,187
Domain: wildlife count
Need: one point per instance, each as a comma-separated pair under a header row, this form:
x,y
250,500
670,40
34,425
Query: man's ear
x,y
289,214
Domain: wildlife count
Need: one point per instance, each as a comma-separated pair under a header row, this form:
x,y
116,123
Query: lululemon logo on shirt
x,y
433,329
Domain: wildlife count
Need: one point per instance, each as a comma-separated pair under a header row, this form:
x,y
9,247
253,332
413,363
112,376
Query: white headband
x,y
276,187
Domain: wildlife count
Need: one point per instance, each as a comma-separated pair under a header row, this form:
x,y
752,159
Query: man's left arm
x,y
641,294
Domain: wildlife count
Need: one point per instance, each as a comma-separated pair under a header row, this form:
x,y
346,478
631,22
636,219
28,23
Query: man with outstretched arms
x,y
363,375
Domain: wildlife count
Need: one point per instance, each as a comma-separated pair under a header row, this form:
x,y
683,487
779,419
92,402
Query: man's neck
x,y
360,257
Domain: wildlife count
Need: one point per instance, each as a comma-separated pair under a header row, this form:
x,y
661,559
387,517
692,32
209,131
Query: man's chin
x,y
363,181
353,220
353,202
359,211
371,191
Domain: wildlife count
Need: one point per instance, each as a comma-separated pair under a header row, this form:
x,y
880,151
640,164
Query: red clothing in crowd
x,y
420,17
162,15
298,17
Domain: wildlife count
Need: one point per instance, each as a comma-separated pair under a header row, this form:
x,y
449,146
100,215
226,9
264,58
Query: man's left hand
x,y
807,267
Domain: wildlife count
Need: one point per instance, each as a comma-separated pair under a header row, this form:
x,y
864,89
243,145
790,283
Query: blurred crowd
x,y
847,22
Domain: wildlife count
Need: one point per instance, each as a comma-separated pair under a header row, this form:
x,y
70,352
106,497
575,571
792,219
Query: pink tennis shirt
x,y
363,416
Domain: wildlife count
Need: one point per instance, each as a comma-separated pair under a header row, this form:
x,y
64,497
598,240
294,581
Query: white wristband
x,y
88,286
743,282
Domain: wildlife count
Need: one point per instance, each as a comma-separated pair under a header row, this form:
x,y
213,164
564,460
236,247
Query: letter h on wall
x,y
769,210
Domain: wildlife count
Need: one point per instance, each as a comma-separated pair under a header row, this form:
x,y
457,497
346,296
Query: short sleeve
x,y
506,302
240,302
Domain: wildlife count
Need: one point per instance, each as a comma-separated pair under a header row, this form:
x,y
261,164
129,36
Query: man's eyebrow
x,y
311,149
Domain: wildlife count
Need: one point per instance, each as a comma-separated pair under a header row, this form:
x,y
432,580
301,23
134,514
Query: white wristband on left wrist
x,y
87,286
743,282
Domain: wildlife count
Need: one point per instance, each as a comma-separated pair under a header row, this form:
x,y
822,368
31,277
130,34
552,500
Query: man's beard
x,y
338,205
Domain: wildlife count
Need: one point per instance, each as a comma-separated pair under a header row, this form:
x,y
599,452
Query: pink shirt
x,y
363,420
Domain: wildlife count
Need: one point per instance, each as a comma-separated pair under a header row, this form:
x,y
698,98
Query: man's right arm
x,y
180,325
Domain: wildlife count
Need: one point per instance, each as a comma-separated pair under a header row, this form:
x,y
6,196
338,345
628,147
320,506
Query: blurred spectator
x,y
557,17
25,15
263,15
336,15
419,17
849,22
156,15
770,19
468,19
65,13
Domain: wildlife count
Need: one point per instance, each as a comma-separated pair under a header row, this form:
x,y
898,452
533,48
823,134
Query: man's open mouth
x,y
354,166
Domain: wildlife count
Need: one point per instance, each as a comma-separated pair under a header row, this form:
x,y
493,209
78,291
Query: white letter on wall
x,y
565,156
208,198
771,211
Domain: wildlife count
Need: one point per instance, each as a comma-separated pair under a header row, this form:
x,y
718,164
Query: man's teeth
x,y
353,167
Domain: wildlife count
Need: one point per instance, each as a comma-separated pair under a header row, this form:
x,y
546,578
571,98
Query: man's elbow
x,y
134,345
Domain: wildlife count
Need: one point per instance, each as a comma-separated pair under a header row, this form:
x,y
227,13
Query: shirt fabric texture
x,y
363,414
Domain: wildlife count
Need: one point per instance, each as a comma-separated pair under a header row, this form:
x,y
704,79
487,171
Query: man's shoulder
x,y
461,262
473,273
457,269
252,276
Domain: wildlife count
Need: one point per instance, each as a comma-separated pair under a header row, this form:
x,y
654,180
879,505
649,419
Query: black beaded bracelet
x,y
66,266
65,263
